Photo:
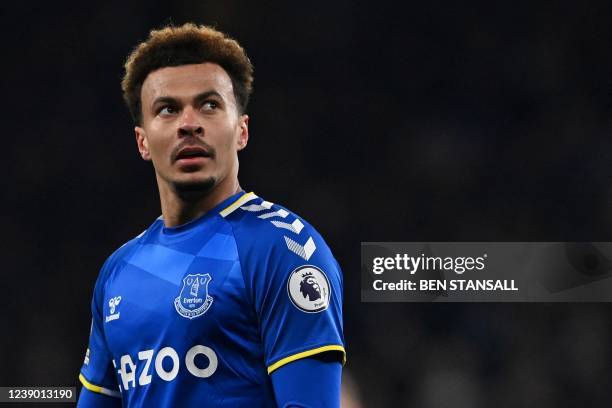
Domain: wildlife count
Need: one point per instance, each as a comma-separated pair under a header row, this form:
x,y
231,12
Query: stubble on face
x,y
192,191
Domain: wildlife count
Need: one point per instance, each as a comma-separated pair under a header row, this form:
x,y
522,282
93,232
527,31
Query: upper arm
x,y
90,399
308,383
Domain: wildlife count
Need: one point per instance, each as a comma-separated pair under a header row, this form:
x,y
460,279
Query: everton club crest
x,y
194,300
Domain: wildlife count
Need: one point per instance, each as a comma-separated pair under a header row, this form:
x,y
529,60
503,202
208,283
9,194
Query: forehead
x,y
185,81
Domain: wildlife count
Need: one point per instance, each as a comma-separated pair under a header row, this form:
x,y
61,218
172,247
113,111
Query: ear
x,y
142,142
243,135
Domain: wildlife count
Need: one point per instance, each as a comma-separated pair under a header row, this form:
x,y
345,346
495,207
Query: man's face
x,y
191,129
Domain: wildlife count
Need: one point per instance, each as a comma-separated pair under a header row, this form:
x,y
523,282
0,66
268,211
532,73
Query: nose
x,y
189,124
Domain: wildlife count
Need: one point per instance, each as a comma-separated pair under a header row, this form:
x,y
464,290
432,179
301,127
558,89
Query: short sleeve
x,y
296,287
98,373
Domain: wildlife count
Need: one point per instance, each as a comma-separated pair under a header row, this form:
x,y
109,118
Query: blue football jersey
x,y
201,314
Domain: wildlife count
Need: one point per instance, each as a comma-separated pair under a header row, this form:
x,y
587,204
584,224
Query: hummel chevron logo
x,y
280,213
305,251
266,205
296,226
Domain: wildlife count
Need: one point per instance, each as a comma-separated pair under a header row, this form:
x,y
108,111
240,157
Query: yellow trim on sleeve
x,y
232,207
97,388
305,354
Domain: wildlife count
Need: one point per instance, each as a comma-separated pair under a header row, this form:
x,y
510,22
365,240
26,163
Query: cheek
x,y
157,141
158,148
228,141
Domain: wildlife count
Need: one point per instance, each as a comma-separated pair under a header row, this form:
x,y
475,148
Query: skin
x,y
191,106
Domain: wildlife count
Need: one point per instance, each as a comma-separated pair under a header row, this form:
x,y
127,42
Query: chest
x,y
160,296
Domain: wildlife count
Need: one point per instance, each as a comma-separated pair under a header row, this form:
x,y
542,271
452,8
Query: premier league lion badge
x,y
194,300
308,289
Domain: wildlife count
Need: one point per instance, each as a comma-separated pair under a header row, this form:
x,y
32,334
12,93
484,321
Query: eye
x,y
166,110
210,105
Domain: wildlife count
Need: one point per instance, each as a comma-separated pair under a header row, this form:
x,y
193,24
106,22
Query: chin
x,y
195,188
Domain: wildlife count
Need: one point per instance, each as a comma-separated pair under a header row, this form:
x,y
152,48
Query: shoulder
x,y
280,252
125,251
271,228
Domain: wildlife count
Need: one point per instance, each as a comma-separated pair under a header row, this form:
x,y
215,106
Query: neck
x,y
179,208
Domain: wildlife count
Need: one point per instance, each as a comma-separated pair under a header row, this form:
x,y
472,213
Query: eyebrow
x,y
198,98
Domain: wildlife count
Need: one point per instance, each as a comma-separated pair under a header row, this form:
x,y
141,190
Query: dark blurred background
x,y
434,121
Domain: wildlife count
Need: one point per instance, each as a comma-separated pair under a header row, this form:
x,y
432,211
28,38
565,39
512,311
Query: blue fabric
x,y
308,383
89,399
268,265
198,315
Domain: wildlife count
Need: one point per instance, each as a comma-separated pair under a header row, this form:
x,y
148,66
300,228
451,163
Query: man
x,y
226,300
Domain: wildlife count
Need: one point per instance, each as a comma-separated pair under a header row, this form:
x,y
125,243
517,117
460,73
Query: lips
x,y
191,152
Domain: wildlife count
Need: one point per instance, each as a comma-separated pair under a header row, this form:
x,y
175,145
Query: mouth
x,y
191,155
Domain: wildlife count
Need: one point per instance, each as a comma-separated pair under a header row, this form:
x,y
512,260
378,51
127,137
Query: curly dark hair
x,y
172,46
